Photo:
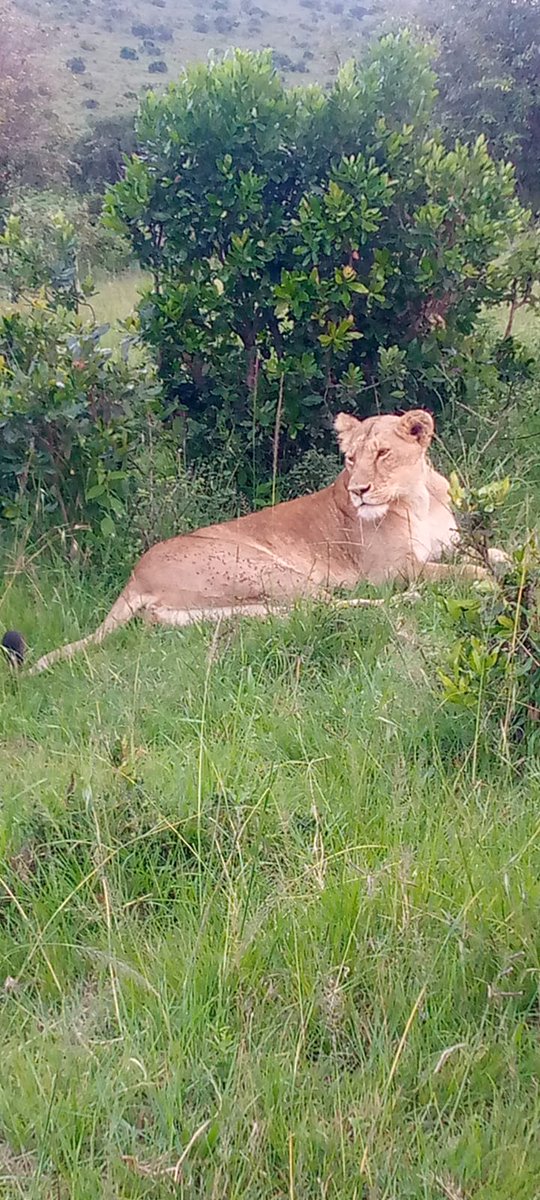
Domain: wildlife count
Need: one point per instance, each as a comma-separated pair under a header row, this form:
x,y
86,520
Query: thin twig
x,y
275,454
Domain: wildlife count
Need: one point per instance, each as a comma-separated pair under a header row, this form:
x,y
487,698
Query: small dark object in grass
x,y
14,648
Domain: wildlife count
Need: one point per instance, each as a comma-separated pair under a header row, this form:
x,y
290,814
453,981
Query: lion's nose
x,y
360,489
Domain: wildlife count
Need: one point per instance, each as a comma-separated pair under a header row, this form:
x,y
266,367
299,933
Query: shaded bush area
x,y
44,232
97,156
71,418
488,67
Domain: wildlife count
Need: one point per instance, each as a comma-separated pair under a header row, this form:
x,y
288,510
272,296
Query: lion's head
x,y
385,459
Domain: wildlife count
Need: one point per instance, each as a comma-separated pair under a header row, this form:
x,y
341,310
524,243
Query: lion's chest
x,y
390,545
430,538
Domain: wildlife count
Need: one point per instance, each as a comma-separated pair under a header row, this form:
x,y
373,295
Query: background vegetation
x,y
269,899
325,250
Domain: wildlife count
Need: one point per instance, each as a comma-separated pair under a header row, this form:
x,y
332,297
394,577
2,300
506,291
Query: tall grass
x,y
116,296
264,933
251,897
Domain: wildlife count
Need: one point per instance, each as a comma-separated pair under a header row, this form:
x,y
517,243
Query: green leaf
x,y
107,526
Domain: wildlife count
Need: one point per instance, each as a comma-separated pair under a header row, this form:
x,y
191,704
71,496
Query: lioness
x,y
386,516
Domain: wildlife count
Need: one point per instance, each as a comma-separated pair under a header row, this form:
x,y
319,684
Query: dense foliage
x,y
71,416
97,156
488,69
310,249
55,241
493,667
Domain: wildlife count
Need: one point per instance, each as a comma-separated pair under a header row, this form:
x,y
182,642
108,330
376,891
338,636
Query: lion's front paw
x,y
499,561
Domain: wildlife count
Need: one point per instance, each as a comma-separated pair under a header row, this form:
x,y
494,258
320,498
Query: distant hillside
x,y
102,55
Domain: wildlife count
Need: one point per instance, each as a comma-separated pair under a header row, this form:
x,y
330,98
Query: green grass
x,y
116,296
253,896
526,325
269,909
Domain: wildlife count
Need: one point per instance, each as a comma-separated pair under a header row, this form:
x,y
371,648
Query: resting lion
x,y
386,516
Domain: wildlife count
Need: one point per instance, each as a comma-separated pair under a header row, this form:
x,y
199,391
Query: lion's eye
x,y
349,459
383,453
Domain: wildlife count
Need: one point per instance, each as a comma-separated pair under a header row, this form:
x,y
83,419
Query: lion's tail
x,y
123,609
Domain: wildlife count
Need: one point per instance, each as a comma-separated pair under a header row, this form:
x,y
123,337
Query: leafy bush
x,y
51,239
224,24
488,63
493,668
140,30
158,67
98,155
129,53
321,238
76,65
26,265
71,416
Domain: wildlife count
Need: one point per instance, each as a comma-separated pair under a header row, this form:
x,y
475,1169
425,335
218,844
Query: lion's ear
x,y
346,428
418,424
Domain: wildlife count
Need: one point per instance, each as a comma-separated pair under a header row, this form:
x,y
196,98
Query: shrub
x,y
281,60
323,238
51,239
140,30
158,67
76,65
128,52
488,61
26,266
224,24
98,155
200,25
493,667
71,416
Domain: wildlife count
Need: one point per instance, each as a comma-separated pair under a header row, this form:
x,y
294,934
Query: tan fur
x,y
387,516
